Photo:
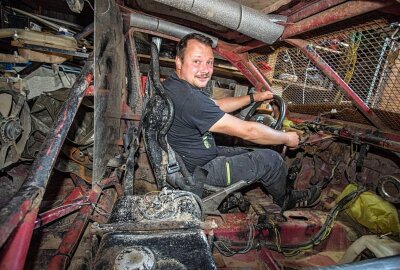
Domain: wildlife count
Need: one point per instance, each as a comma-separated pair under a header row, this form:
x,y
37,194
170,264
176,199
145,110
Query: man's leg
x,y
263,165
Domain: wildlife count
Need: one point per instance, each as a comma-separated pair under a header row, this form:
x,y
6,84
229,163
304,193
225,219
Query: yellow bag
x,y
372,211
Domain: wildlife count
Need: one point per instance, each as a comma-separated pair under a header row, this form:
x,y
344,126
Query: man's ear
x,y
178,63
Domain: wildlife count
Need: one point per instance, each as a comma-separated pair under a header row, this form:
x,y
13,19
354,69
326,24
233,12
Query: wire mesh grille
x,y
365,56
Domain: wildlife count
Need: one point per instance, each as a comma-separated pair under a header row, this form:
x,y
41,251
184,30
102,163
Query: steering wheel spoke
x,y
280,103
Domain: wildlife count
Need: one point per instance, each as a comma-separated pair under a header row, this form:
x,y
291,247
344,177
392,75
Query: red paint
x,y
294,231
70,204
242,63
72,237
89,78
13,221
29,196
249,46
306,9
339,13
89,92
144,82
15,251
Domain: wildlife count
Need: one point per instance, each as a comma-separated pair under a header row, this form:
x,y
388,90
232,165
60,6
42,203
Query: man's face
x,y
197,66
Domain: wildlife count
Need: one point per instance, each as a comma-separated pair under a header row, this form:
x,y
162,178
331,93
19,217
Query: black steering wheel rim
x,y
282,111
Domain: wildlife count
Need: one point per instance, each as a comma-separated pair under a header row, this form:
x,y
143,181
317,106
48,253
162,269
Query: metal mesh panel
x,y
365,56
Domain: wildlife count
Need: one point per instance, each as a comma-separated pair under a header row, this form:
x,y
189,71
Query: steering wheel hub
x,y
266,119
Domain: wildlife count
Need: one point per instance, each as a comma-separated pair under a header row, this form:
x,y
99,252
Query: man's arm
x,y
231,104
254,132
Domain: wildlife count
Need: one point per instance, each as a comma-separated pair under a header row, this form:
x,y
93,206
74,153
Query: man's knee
x,y
273,170
269,158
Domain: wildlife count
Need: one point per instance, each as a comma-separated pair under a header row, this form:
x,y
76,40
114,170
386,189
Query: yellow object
x,y
287,123
372,211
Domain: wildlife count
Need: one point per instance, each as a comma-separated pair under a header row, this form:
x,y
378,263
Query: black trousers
x,y
236,164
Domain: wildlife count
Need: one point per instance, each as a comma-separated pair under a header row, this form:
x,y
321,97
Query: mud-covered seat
x,y
167,165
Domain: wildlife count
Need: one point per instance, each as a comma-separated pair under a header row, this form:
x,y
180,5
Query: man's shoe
x,y
302,198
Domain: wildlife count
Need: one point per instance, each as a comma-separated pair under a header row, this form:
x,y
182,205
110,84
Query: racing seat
x,y
167,165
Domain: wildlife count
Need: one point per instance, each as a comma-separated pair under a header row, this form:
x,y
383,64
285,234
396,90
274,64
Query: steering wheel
x,y
280,103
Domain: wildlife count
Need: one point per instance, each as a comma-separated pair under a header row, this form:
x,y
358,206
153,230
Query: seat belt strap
x,y
173,165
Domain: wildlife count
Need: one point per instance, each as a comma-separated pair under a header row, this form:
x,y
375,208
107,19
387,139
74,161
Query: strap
x,y
173,165
251,95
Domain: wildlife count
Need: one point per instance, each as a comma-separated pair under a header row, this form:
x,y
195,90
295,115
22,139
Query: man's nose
x,y
203,67
206,68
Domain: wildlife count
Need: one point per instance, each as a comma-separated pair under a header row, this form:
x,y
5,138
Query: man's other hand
x,y
261,96
293,139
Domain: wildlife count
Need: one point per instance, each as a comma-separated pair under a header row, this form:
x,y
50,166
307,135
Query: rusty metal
x,y
31,193
242,63
135,101
307,9
377,139
134,79
89,92
336,14
106,204
71,238
311,53
249,46
228,51
101,229
15,251
299,227
72,203
349,132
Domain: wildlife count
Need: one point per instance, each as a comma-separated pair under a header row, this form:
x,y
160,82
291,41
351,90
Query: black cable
x,y
294,249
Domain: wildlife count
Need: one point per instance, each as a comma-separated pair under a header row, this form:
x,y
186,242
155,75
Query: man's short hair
x,y
182,44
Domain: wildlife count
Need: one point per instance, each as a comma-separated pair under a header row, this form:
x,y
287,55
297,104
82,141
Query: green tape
x,y
228,173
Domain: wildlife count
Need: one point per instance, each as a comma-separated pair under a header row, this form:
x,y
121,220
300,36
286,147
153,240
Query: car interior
x,y
88,179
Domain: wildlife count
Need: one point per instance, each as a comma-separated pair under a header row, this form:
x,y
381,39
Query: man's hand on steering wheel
x,y
263,96
259,98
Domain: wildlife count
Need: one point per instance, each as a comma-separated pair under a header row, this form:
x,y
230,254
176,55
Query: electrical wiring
x,y
349,161
225,246
228,248
292,250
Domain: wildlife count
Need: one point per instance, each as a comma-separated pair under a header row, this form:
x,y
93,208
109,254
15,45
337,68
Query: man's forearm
x,y
231,104
254,131
262,134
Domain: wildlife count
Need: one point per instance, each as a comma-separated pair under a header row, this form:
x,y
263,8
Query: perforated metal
x,y
365,56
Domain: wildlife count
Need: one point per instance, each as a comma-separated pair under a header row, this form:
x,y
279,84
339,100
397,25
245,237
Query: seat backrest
x,y
158,117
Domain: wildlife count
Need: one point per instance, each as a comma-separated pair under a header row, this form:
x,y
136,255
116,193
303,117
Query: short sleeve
x,y
201,112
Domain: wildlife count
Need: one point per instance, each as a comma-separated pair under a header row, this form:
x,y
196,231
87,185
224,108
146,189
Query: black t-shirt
x,y
195,114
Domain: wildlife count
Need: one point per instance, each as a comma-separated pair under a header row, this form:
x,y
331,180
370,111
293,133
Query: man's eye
x,y
197,61
210,63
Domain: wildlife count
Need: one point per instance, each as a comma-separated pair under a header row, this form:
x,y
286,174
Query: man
x,y
196,116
